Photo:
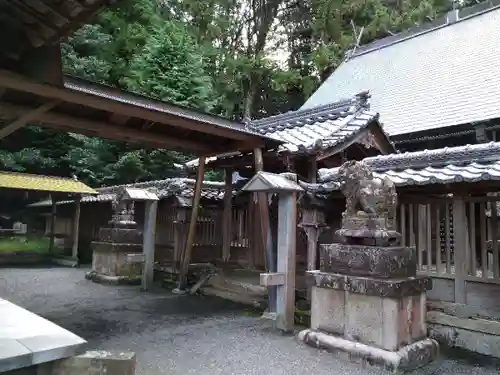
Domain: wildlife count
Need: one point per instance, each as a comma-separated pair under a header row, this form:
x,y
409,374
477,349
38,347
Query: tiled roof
x,y
182,188
24,181
419,79
319,128
471,163
310,131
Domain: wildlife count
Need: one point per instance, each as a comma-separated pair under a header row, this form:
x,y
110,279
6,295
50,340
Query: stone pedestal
x,y
368,305
114,254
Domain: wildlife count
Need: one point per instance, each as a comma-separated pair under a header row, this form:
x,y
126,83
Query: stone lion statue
x,y
365,193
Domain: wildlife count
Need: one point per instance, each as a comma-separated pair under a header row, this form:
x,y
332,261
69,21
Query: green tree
x,y
171,68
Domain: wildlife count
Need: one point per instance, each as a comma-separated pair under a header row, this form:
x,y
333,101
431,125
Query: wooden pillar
x,y
459,219
179,241
149,236
76,228
52,224
226,216
284,278
265,230
287,229
312,231
192,225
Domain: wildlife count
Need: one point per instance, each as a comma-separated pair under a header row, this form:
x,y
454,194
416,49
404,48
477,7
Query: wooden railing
x,y
453,236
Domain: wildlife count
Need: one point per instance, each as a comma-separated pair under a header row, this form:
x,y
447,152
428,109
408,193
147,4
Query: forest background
x,y
234,58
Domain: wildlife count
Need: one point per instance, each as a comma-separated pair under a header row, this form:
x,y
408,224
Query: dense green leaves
x,y
235,58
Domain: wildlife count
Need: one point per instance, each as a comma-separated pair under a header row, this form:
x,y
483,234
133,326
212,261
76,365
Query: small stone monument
x,y
367,303
118,245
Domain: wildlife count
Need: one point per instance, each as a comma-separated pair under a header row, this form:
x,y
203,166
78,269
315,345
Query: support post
x,y
192,225
283,280
265,230
287,227
52,224
226,218
149,236
459,219
76,229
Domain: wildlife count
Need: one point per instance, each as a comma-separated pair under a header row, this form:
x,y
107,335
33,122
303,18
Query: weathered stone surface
x,y
120,235
382,322
116,263
114,247
374,261
406,359
393,288
97,363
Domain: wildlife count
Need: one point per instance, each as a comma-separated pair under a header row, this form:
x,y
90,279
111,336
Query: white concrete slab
x,y
27,339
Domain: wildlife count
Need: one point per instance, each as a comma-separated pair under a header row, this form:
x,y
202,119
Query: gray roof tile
x,y
312,130
309,131
171,187
471,163
435,77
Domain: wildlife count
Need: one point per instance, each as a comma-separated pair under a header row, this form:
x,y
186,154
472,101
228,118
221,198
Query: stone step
x,y
245,299
237,286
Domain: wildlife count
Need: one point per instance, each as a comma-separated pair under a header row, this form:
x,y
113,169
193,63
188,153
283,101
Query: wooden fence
x,y
457,242
172,227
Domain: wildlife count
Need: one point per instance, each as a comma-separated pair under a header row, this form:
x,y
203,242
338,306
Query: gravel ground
x,y
177,334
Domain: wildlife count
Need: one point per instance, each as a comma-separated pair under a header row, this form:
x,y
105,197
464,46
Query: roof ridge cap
x,y
359,100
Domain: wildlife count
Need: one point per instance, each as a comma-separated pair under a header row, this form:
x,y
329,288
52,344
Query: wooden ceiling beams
x,y
102,129
20,83
26,117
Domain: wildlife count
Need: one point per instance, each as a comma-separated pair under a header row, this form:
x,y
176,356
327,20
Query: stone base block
x,y
371,261
115,247
387,323
116,263
112,280
393,288
66,262
120,235
408,358
97,363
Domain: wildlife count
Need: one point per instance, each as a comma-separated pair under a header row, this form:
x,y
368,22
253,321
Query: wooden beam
x,y
106,130
28,116
339,147
192,226
76,229
272,279
21,83
226,216
118,119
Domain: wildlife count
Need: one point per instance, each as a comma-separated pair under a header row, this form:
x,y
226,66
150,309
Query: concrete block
x,y
44,340
328,306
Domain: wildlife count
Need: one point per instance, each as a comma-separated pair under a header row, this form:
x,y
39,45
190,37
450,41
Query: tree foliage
x,y
235,58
